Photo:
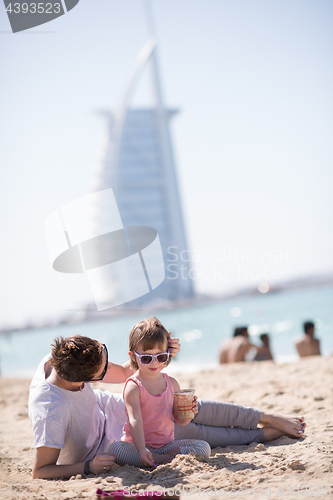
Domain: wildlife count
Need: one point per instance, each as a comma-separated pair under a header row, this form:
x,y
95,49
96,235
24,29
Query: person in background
x,y
265,351
308,345
235,349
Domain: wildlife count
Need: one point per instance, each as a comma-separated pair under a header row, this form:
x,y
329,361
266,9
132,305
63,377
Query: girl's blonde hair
x,y
149,333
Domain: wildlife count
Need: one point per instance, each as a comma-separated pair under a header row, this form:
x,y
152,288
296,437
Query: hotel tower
x,y
137,162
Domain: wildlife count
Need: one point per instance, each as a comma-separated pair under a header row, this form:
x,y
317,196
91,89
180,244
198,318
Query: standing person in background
x,y
308,345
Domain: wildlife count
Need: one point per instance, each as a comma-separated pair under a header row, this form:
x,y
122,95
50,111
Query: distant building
x,y
137,163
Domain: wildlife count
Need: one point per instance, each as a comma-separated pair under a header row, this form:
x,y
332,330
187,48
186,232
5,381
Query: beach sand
x,y
271,470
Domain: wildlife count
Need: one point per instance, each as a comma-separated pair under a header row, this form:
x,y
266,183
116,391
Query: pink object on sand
x,y
123,494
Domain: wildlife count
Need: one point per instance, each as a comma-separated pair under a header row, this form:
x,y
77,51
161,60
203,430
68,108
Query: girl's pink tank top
x,y
157,417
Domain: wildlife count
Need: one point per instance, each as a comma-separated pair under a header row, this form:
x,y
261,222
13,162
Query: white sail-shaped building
x,y
137,162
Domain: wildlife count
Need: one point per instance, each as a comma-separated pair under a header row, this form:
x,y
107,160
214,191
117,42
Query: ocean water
x,y
201,330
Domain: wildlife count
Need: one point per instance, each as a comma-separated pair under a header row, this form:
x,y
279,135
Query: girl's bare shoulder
x,y
175,384
131,388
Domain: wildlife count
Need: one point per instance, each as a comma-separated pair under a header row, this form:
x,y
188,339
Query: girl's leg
x,y
126,453
186,446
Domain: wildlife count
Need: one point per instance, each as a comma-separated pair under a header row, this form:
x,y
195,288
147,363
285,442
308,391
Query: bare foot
x,y
288,425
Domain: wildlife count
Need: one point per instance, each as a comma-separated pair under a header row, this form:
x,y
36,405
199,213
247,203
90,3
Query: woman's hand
x,y
102,463
173,346
195,405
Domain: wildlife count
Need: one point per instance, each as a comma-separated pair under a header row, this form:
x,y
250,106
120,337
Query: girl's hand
x,y
173,346
195,405
146,457
102,463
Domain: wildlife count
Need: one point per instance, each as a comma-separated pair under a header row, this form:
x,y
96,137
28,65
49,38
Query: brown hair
x,y
77,358
149,333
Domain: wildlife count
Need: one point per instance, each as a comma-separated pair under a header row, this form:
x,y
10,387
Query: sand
x,y
258,470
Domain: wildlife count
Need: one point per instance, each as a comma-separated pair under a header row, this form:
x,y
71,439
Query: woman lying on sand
x,y
74,424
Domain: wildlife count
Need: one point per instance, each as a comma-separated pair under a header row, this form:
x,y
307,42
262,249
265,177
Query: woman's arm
x,y
45,464
176,387
118,374
132,401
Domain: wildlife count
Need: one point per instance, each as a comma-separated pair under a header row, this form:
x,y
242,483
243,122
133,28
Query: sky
x,y
253,137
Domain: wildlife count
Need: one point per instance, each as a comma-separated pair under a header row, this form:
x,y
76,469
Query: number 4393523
x,y
34,8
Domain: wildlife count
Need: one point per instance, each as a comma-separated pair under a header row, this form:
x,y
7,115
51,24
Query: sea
x,y
200,328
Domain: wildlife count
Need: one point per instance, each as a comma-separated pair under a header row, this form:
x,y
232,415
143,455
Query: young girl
x,y
148,435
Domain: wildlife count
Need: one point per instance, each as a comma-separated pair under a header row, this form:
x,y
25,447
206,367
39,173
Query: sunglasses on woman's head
x,y
146,359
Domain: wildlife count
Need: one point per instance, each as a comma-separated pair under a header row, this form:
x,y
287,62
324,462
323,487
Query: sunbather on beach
x,y
308,345
265,353
74,424
235,349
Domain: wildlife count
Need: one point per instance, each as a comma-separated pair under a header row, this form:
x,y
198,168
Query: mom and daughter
x,y
78,429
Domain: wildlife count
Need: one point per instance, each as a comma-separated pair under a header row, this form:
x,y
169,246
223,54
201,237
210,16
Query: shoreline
x,y
304,387
200,300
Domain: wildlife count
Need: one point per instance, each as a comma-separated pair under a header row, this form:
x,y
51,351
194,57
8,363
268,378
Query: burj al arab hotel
x,y
137,162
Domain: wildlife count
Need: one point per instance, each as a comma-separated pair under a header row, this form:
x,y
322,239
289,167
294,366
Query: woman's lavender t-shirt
x,y
82,424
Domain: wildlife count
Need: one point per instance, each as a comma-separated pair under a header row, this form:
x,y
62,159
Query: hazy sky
x,y
253,138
